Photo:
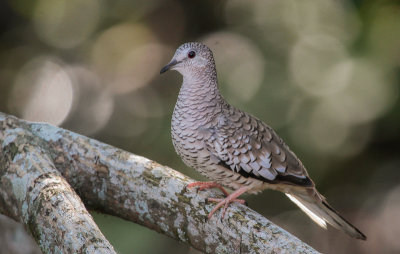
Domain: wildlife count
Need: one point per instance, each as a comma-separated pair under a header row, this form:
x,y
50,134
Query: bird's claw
x,y
223,202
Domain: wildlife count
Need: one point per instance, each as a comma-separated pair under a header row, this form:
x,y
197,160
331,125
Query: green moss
x,y
239,217
13,150
182,197
150,178
32,227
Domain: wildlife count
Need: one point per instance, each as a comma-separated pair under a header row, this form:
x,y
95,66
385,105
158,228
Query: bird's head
x,y
191,59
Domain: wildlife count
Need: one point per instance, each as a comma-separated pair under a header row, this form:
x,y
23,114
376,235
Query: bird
x,y
234,149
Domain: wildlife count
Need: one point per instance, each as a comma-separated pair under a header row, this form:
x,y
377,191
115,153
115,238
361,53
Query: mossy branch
x,y
42,166
33,192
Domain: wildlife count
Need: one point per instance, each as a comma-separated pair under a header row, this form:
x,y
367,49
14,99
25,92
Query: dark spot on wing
x,y
286,179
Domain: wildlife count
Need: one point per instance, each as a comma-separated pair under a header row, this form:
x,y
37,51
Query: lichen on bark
x,y
34,193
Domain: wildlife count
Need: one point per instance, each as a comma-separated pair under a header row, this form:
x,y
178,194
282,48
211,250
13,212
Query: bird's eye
x,y
191,54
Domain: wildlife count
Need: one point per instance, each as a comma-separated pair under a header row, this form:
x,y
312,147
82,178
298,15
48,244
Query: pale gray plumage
x,y
234,148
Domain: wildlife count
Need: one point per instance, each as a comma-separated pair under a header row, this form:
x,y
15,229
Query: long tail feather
x,y
321,213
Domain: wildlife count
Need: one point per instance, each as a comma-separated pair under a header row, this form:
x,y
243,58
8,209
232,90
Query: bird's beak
x,y
168,66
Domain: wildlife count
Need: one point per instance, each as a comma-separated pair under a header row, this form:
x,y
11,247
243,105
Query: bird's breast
x,y
190,126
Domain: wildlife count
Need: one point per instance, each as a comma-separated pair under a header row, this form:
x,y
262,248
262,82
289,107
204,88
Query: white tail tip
x,y
321,222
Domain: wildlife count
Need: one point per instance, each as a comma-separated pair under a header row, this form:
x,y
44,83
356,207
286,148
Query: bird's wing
x,y
251,148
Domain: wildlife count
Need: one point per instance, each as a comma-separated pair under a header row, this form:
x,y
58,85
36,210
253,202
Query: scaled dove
x,y
235,149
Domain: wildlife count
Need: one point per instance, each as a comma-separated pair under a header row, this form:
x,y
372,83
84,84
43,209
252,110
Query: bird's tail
x,y
315,206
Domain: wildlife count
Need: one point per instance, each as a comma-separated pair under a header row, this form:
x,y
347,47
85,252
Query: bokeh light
x,y
42,91
367,96
240,64
122,56
66,23
135,112
133,71
323,74
388,223
315,61
306,18
384,42
383,226
93,105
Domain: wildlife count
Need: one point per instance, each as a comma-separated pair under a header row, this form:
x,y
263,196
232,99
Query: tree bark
x,y
41,167
33,192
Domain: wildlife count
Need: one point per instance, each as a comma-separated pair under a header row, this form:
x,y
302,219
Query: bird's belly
x,y
201,160
194,155
186,147
233,180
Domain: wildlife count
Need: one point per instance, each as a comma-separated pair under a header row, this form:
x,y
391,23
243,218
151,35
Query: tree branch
x,y
121,184
33,192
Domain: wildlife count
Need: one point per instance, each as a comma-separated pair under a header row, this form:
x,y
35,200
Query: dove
x,y
234,149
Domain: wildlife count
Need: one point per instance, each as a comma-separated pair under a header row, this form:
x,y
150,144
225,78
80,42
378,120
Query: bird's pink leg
x,y
207,185
226,201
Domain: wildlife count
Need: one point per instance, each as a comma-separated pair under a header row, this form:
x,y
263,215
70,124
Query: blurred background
x,y
324,74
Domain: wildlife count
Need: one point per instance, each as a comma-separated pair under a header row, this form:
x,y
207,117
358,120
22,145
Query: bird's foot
x,y
226,201
207,185
240,201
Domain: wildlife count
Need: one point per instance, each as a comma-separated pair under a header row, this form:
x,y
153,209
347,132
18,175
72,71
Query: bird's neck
x,y
199,92
201,75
